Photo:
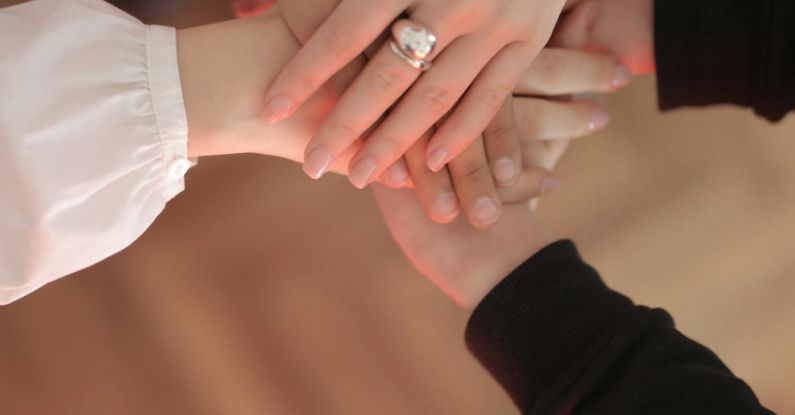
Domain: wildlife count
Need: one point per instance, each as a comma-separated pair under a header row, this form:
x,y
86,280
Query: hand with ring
x,y
458,59
474,182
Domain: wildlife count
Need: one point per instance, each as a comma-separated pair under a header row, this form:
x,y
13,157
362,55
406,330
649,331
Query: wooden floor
x,y
261,292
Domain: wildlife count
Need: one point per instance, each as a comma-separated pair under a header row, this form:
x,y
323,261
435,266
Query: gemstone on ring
x,y
417,42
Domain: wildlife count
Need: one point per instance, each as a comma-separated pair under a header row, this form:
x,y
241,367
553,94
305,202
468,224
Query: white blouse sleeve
x,y
93,136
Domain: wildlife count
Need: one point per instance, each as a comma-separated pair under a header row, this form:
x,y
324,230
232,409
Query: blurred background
x,y
261,292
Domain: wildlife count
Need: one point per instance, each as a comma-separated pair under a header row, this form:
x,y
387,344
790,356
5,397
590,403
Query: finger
x,y
339,40
397,175
434,189
540,119
503,146
385,79
574,29
426,102
544,153
474,186
532,182
563,71
480,105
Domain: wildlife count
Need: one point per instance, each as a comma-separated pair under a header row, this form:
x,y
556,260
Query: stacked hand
x,y
527,130
479,51
464,261
489,167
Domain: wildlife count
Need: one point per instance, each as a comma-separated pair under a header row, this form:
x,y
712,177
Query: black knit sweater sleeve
x,y
561,342
738,52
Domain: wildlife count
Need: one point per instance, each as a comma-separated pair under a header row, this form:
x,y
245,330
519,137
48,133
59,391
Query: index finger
x,y
339,40
564,72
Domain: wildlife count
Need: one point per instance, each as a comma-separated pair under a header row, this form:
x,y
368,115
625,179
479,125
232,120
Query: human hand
x,y
221,67
467,184
620,28
464,262
476,38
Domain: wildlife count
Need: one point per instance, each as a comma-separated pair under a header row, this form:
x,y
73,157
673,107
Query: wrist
x,y
483,270
224,69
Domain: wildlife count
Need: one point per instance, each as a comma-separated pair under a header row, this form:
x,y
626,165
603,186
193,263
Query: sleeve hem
x,y
169,108
531,326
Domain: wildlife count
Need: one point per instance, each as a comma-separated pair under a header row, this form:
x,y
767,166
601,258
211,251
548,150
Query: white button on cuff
x,y
177,169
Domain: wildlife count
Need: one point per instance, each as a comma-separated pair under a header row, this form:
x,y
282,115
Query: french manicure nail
x,y
446,206
438,158
505,172
549,184
277,109
398,174
621,77
485,211
599,119
362,173
318,162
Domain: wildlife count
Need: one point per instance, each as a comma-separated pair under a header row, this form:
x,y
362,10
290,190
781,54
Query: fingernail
x,y
446,206
621,77
599,119
398,174
485,211
318,162
362,173
438,158
505,172
549,184
277,109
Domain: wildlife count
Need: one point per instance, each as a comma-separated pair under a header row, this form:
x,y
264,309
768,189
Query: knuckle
x,y
386,80
499,134
506,28
437,99
470,13
301,83
553,69
494,97
342,132
340,41
391,146
528,122
472,171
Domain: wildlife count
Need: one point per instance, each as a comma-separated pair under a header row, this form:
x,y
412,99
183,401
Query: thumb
x,y
575,28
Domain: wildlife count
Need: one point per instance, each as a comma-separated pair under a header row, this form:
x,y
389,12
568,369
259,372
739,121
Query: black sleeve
x,y
738,52
561,342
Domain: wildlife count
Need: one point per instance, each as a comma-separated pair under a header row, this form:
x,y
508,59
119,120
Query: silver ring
x,y
413,43
420,64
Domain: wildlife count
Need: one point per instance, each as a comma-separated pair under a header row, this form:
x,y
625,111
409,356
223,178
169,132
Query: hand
x,y
467,184
620,28
221,67
483,49
467,263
